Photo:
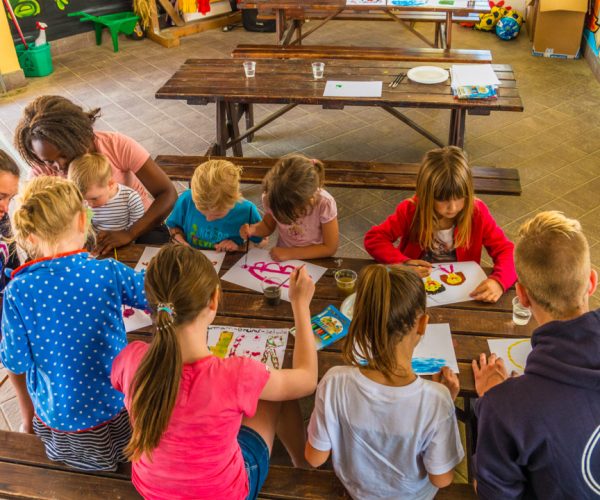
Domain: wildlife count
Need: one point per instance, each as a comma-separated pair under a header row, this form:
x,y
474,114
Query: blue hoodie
x,y
539,434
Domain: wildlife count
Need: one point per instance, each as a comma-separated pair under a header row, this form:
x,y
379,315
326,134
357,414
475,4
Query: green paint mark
x,y
338,86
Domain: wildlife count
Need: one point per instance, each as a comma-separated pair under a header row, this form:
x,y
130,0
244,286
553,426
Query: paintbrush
x,y
248,239
288,279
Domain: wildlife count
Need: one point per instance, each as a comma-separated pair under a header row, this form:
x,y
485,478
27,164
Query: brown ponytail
x,y
389,300
180,282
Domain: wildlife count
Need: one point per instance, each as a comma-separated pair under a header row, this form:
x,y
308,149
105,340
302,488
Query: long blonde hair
x,y
444,175
179,284
46,209
389,300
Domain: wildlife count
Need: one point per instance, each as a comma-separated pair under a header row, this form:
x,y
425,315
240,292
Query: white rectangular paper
x,y
366,2
513,352
336,88
434,351
451,282
215,257
473,74
266,345
134,319
260,267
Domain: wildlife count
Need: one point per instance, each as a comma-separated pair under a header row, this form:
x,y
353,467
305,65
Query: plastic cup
x,y
250,69
272,290
345,279
318,68
521,314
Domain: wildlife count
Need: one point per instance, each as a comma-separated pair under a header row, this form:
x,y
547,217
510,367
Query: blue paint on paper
x,y
422,366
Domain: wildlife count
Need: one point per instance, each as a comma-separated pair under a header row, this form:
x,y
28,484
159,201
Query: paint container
x,y
345,279
271,288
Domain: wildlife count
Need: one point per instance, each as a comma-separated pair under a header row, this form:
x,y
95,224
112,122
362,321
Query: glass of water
x,y
250,68
521,314
318,68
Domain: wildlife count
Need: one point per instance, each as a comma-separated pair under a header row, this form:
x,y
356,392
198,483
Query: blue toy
x,y
507,28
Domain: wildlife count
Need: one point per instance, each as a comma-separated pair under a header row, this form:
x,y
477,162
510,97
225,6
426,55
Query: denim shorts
x,y
256,459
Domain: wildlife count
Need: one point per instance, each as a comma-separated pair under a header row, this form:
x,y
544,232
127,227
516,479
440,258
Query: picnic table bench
x,y
315,52
352,174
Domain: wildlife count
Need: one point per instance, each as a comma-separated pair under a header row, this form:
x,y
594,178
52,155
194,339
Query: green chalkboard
x,y
54,14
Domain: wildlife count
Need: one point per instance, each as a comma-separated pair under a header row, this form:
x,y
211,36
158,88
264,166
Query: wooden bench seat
x,y
26,473
251,51
352,174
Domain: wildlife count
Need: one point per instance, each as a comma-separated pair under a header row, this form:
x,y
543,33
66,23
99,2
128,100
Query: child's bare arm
x,y
442,480
315,457
25,405
261,229
331,237
178,236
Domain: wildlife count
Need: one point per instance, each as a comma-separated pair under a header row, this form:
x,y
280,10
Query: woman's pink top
x,y
125,155
380,241
198,455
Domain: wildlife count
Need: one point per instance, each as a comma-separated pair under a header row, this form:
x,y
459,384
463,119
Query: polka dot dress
x,y
63,327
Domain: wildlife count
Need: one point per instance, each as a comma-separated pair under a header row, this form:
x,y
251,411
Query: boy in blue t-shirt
x,y
210,214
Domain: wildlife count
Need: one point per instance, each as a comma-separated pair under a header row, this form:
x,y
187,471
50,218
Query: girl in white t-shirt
x,y
391,433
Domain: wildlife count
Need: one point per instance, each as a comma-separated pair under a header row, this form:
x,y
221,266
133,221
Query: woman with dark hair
x,y
54,131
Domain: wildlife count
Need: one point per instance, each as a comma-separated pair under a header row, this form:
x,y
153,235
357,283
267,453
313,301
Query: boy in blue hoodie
x,y
539,434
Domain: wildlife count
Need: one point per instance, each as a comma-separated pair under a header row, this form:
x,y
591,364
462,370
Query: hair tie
x,y
313,161
168,308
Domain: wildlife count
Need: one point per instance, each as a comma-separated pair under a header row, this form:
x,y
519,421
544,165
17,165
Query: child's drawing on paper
x,y
452,282
265,345
513,352
434,351
258,267
134,319
216,258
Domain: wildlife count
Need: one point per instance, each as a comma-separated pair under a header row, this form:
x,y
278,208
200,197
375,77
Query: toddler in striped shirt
x,y
116,207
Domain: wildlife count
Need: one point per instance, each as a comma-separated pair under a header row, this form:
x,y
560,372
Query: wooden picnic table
x,y
290,15
290,82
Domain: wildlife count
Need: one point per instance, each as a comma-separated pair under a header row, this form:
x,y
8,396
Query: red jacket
x,y
379,241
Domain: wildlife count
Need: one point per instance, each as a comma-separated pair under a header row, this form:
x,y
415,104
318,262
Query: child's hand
x,y
488,373
302,287
279,254
246,232
226,246
449,379
179,239
489,290
421,267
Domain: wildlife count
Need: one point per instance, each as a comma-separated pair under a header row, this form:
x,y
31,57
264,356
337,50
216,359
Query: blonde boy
x,y
116,207
538,434
210,214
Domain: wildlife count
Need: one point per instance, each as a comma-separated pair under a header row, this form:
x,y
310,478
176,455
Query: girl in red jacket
x,y
444,222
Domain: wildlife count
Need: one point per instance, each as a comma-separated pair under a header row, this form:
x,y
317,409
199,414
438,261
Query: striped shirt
x,y
120,212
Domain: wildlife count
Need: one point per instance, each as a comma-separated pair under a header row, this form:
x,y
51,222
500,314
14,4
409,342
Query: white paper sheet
x,y
266,345
134,319
434,351
215,257
452,282
513,352
473,74
337,88
366,2
260,267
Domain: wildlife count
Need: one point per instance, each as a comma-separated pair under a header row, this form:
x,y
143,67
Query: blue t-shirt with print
x,y
63,326
201,233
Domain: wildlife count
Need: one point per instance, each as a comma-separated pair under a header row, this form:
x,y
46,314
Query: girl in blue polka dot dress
x,y
63,327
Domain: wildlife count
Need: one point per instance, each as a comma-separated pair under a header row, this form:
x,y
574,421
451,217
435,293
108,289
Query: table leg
x,y
448,30
460,131
280,25
249,112
233,128
219,148
452,127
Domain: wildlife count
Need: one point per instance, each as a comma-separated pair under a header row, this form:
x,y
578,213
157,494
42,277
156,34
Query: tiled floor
x,y
554,143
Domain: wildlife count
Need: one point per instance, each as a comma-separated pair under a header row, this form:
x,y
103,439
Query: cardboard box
x,y
557,27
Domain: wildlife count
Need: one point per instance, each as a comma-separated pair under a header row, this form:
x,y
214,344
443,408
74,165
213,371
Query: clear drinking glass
x,y
521,314
345,279
318,68
250,68
271,288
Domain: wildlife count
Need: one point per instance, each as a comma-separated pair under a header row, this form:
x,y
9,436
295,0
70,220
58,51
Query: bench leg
x,y
436,40
456,136
448,30
219,148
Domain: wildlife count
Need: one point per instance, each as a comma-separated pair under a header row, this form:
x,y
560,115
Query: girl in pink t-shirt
x,y
53,131
304,214
198,428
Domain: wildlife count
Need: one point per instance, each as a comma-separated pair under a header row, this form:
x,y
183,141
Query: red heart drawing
x,y
260,269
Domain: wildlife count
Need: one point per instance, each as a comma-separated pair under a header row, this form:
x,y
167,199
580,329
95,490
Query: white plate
x,y
347,307
427,74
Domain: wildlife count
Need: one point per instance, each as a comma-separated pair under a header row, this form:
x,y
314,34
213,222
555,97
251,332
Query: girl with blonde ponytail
x,y
62,327
199,429
414,446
